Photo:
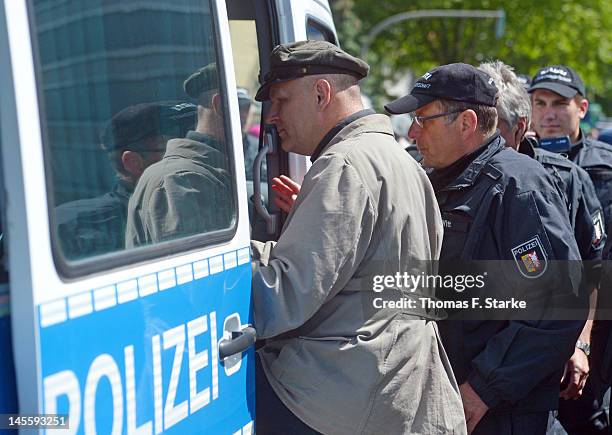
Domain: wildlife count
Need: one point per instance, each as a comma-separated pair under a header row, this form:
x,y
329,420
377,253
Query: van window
x,y
246,53
133,159
246,64
316,31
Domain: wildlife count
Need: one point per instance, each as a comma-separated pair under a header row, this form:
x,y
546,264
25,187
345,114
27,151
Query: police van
x,y
124,337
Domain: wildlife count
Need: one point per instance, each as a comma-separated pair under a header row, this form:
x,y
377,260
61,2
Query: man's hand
x,y
473,406
286,192
575,374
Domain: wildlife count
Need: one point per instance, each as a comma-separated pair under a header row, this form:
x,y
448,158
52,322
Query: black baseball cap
x,y
135,123
455,81
303,58
560,79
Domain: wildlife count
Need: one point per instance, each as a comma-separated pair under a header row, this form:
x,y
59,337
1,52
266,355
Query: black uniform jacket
x,y
505,218
595,158
585,212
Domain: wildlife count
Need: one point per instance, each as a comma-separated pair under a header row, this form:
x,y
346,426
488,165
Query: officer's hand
x,y
286,192
473,406
575,375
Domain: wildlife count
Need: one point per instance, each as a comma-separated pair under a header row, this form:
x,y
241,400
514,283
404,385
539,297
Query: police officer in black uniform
x,y
501,206
514,112
134,139
559,103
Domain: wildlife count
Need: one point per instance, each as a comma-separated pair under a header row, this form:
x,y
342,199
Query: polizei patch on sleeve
x,y
530,258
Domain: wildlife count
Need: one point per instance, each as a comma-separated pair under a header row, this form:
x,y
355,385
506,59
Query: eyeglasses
x,y
421,119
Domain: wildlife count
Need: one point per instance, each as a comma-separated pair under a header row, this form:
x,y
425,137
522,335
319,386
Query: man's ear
x,y
521,128
323,93
216,103
468,122
133,163
583,106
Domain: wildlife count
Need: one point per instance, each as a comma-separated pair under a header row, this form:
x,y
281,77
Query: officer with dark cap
x,y
187,192
558,104
134,139
504,219
336,362
514,111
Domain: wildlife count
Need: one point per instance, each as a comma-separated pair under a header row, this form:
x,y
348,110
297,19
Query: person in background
x,y
504,218
559,103
514,113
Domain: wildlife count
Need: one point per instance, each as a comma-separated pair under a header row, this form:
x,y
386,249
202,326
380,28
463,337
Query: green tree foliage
x,y
576,33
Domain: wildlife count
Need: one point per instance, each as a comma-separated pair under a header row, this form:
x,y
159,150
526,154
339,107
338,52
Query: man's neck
x,y
334,130
474,143
337,117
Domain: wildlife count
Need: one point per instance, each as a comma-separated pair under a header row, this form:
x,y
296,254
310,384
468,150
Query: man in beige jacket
x,y
350,349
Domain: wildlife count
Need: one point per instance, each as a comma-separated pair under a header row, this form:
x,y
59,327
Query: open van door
x,y
256,27
147,338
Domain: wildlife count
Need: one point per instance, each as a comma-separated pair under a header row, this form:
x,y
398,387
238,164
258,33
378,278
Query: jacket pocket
x,y
456,229
286,359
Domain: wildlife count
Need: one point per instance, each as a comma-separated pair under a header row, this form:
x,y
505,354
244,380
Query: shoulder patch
x,y
599,228
530,258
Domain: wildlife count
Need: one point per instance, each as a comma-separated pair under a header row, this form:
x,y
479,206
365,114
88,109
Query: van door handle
x,y
269,147
240,341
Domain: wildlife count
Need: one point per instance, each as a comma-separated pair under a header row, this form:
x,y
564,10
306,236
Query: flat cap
x,y
455,81
303,58
203,80
134,123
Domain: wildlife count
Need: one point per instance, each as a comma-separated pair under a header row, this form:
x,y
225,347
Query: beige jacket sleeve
x,y
323,242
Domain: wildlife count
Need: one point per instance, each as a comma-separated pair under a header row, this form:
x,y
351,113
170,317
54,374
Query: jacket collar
x,y
580,140
211,151
207,139
577,146
528,147
370,122
123,189
492,145
336,129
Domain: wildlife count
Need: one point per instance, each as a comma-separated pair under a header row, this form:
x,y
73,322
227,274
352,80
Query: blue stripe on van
x,y
85,303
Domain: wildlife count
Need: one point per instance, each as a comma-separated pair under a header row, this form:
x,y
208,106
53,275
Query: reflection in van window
x,y
134,139
186,192
118,120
